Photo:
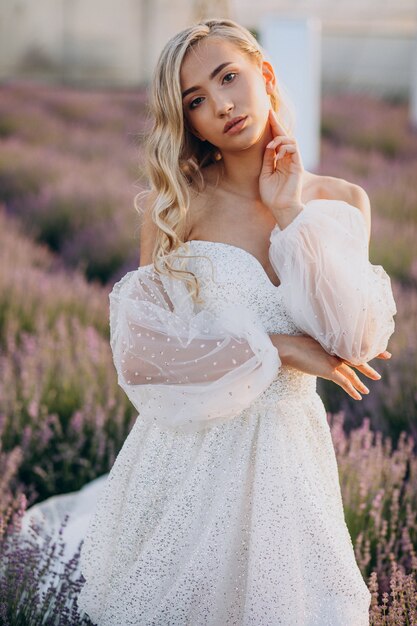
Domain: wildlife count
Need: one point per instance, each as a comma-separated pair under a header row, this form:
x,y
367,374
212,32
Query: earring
x,y
217,155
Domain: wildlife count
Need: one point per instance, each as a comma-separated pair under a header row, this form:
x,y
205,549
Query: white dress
x,y
224,506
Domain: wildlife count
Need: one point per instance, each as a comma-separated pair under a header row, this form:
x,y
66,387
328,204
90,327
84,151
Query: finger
x,y
268,163
369,371
275,122
353,378
343,382
281,139
384,355
270,157
291,144
290,150
286,149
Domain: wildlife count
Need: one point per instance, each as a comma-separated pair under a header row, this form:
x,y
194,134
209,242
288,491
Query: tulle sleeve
x,y
332,291
183,366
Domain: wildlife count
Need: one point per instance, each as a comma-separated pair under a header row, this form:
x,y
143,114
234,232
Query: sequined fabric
x,y
239,524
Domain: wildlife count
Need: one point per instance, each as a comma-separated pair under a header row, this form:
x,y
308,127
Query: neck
x,y
241,170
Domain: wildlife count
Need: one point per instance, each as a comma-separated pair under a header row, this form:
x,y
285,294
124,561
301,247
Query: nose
x,y
223,107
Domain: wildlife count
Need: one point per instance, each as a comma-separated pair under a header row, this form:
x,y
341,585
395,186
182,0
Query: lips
x,y
232,122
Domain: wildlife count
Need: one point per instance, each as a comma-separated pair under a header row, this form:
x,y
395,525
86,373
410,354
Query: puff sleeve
x,y
332,291
182,367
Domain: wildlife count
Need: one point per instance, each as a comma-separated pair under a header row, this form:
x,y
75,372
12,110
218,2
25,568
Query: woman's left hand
x,y
281,178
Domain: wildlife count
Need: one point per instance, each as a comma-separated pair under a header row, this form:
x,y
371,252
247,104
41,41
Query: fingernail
x,y
365,389
271,143
358,396
377,375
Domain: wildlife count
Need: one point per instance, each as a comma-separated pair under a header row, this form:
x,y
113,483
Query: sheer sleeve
x,y
182,367
330,288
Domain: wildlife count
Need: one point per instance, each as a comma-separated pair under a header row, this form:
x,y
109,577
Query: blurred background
x,y
367,44
74,77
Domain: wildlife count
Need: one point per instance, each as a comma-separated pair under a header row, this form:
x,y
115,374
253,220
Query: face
x,y
240,88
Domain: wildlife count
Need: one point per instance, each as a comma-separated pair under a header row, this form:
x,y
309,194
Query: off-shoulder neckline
x,y
249,254
232,247
245,252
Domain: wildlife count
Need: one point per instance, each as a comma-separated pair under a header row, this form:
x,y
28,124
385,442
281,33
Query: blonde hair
x,y
174,156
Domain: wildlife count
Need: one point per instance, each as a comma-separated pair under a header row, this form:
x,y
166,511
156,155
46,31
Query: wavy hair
x,y
174,156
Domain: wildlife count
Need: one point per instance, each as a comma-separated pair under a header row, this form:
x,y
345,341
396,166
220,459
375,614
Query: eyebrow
x,y
212,75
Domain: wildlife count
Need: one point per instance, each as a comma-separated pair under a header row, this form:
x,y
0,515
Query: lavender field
x,y
70,166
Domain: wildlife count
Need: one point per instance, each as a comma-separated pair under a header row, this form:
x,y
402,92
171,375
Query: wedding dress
x,y
223,506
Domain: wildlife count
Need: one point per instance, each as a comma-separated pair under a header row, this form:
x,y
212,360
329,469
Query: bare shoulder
x,y
332,188
149,230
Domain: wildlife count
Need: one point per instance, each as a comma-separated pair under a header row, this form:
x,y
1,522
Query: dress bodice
x,y
238,278
228,275
188,364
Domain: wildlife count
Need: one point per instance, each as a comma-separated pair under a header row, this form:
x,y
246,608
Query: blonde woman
x,y
224,505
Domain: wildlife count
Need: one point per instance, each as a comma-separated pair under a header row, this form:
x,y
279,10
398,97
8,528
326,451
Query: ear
x,y
269,76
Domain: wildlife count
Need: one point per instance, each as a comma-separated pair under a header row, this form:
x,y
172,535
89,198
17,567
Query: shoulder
x,y
333,188
149,230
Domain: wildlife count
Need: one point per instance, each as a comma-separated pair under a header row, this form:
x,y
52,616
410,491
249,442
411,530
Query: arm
x,y
181,367
306,355
185,355
319,251
330,288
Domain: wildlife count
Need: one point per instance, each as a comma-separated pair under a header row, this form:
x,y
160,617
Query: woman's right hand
x,y
304,353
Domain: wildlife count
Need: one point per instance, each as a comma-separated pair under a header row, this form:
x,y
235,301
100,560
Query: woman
x,y
224,504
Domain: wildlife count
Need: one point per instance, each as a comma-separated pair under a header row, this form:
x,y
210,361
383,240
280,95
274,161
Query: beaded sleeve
x,y
182,367
332,291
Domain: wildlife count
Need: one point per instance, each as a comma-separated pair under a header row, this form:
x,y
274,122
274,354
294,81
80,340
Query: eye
x,y
230,74
192,102
190,106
